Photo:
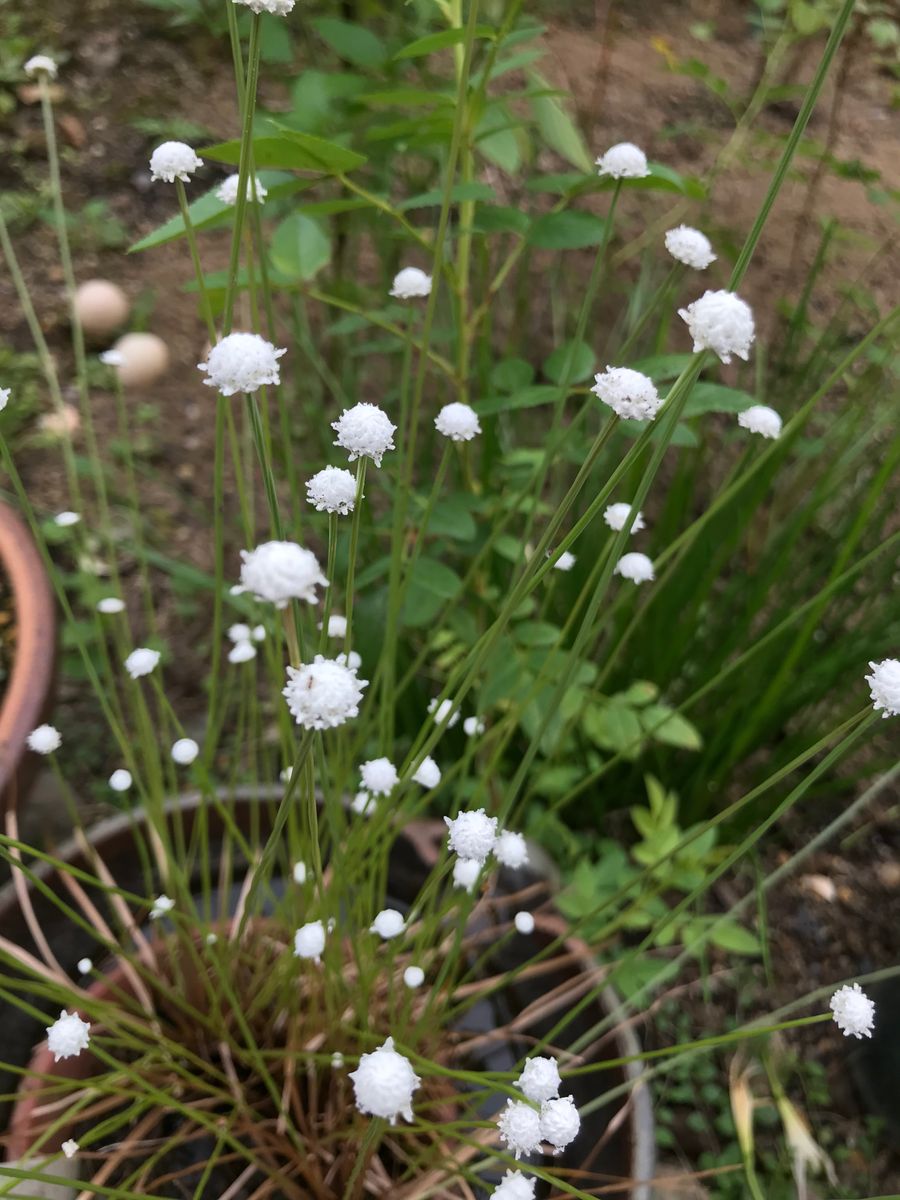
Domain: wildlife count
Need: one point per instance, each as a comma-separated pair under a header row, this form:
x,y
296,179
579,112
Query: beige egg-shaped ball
x,y
145,358
101,307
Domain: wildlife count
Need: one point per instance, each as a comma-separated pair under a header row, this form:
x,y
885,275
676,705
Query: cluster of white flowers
x,y
722,322
332,490
761,419
227,191
384,1082
511,850
690,246
280,572
458,422
365,431
514,1186
630,394
853,1011
174,160
276,8
636,567
623,161
379,776
44,740
616,515
472,834
324,693
242,362
524,1128
884,684
410,284
68,1036
442,711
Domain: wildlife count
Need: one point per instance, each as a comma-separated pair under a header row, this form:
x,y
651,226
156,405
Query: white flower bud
x,y
384,1083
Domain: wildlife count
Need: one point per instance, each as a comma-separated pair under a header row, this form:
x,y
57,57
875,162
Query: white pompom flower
x,y
472,726
636,567
854,1012
66,519
540,1079
110,605
174,160
630,394
323,694
365,431
411,283
623,161
120,780
242,652
514,1186
560,1122
332,490
524,922
337,626
690,246
616,515
161,905
722,322
761,419
413,977
44,740
884,684
184,751
565,562
511,850
280,572
309,941
472,834
388,924
68,1036
458,422
379,776
442,711
520,1128
299,872
41,64
276,8
227,191
363,804
465,873
384,1082
242,362
141,662
427,773
69,1147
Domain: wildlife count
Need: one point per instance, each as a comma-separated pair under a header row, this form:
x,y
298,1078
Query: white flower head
x,y
68,1036
616,515
384,1082
690,246
565,562
242,652
634,566
41,64
761,419
363,804
69,1148
379,776
174,160
389,923
520,1128
309,941
5,394
458,422
410,284
120,780
441,711
623,161
65,519
44,740
161,906
466,872
511,850
630,394
365,431
854,1012
280,572
227,191
332,490
110,605
722,322
472,834
184,751
277,8
239,633
324,693
413,977
427,773
85,966
884,683
141,662
299,872
241,362
540,1079
560,1122
473,726
524,922
337,626
514,1186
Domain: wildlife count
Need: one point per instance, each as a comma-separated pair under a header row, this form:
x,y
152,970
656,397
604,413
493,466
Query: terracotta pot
x,y
28,690
626,1153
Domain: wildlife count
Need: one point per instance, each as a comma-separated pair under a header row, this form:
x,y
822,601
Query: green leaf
x,y
451,518
354,43
441,41
300,247
613,727
275,42
641,692
583,361
735,938
572,230
670,727
290,150
661,179
502,148
557,128
434,576
458,193
499,218
529,397
716,397
406,97
537,633
511,375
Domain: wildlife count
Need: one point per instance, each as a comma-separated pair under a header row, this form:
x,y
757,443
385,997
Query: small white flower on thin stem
x,y
560,1122
623,161
184,751
520,1128
379,776
616,515
5,394
413,977
161,906
565,562
514,1186
411,283
472,726
722,322
761,419
690,246
630,394
540,1079
427,773
854,1012
365,431
173,160
441,711
458,422
332,490
388,924
634,566
242,652
41,64
524,922
242,362
238,633
299,872
44,740
141,662
277,8
466,872
68,1036
110,605
227,191
69,1148
337,626
66,519
384,1082
324,693
280,572
363,804
884,684
309,941
120,780
472,834
337,1060
511,850
85,966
